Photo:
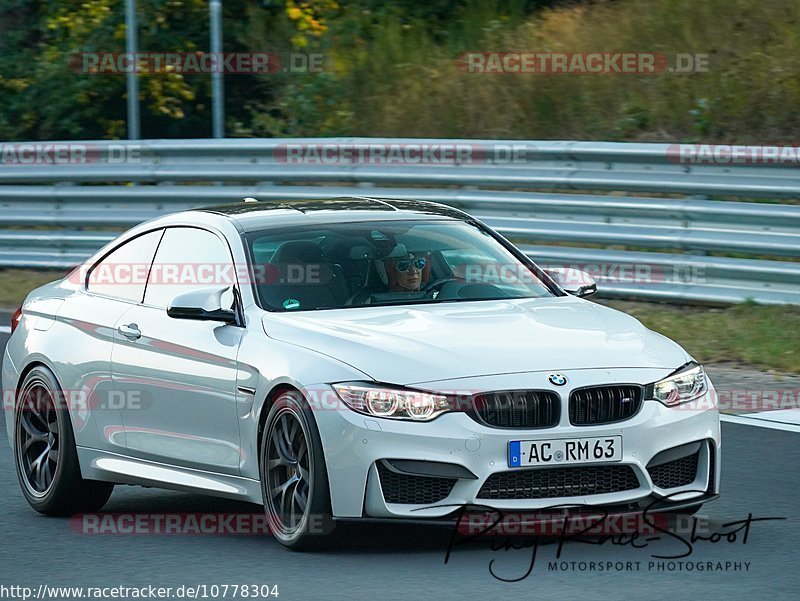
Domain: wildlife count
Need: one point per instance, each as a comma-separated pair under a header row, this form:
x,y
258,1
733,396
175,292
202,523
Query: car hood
x,y
413,344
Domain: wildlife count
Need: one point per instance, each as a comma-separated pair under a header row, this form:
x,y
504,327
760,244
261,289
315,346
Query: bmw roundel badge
x,y
557,379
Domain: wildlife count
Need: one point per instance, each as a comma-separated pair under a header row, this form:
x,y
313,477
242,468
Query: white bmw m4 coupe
x,y
346,359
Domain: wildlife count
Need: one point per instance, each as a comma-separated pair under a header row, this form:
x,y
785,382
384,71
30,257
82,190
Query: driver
x,y
405,273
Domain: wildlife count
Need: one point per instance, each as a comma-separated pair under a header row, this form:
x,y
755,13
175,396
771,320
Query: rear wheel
x,y
294,481
45,454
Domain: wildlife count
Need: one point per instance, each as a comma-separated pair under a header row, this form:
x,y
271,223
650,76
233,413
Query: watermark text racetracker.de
x,y
124,274
733,154
98,394
68,153
196,63
177,524
402,153
512,62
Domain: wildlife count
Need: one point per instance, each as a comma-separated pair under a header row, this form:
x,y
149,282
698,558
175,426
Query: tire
x,y
292,466
44,451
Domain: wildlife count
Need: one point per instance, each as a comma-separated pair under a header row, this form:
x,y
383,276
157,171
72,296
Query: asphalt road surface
x,y
760,477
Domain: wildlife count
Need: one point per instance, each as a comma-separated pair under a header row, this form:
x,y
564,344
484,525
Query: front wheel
x,y
294,481
45,454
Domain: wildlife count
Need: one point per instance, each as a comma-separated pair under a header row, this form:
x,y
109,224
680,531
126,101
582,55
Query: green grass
x,y
15,284
765,337
397,79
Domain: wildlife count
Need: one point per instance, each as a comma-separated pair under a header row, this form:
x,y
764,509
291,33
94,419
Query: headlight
x,y
394,403
687,384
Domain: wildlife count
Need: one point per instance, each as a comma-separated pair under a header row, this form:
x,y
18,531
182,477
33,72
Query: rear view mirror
x,y
204,304
573,281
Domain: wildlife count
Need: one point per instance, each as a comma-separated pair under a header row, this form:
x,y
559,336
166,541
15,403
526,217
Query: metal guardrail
x,y
551,198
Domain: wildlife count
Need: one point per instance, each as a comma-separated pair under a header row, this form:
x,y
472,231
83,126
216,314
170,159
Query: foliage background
x,y
389,69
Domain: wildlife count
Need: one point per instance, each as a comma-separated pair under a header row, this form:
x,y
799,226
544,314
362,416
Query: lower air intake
x,y
413,490
675,473
557,482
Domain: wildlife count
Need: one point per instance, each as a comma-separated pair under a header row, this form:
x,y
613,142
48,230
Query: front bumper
x,y
354,445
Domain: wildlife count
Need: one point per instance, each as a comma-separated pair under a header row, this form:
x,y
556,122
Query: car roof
x,y
253,214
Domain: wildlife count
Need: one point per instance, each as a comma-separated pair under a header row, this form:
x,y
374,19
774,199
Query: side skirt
x,y
112,467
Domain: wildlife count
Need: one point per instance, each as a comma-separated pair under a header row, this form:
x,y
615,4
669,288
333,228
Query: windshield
x,y
381,263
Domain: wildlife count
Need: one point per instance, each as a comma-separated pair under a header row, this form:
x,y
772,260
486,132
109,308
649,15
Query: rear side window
x,y
188,258
123,273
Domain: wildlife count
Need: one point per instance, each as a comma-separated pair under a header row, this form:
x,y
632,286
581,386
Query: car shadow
x,y
351,537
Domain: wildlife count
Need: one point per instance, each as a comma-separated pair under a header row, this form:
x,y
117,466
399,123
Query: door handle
x,y
130,331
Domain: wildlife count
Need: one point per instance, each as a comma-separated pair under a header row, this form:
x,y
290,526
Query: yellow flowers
x,y
308,18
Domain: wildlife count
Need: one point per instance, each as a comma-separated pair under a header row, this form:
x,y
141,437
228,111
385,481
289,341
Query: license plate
x,y
564,451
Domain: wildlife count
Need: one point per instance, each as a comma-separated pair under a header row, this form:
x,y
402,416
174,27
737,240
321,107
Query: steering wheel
x,y
435,285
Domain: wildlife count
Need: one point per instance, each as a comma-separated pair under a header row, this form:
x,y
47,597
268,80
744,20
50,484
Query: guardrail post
x,y
217,87
132,77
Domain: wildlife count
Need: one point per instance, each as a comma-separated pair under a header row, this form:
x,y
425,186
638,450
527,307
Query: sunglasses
x,y
405,265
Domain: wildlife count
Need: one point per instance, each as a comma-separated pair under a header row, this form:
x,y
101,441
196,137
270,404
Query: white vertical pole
x,y
217,88
132,78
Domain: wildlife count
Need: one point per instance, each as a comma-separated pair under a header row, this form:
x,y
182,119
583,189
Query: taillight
x,y
15,319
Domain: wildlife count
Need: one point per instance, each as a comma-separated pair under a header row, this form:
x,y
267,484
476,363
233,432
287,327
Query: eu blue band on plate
x,y
514,454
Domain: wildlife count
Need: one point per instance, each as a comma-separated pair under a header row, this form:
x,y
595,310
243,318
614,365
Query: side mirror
x,y
573,281
203,304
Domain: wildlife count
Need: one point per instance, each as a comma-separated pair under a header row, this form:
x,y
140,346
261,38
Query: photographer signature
x,y
732,532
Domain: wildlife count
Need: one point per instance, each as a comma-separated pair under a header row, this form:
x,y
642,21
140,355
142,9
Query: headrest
x,y
342,250
298,251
